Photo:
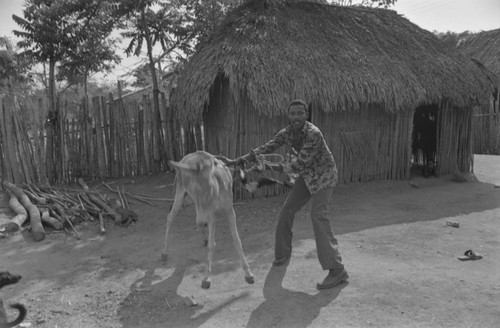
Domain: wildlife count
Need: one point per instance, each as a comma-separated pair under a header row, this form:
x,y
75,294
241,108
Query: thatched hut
x,y
365,73
485,47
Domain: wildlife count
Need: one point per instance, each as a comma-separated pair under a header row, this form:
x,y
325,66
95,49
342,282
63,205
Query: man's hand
x,y
286,168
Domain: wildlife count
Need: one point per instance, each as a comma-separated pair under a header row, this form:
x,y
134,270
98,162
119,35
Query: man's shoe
x,y
281,261
333,278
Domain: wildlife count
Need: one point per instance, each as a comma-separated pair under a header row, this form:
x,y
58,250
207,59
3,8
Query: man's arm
x,y
275,143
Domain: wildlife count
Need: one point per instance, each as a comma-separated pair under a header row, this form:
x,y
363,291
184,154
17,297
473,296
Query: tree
x,y
89,57
43,38
93,22
72,34
54,31
452,39
142,75
150,23
208,15
12,69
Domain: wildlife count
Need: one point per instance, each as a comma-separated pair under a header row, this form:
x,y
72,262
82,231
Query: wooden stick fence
x,y
486,126
17,161
108,138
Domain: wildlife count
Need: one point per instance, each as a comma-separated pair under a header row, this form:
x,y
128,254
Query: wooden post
x,y
123,138
112,142
8,137
40,138
62,161
100,151
146,133
23,145
105,126
167,151
139,139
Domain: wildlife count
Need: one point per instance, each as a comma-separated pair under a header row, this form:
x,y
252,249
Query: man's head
x,y
297,113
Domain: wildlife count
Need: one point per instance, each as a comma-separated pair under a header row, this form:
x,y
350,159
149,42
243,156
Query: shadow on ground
x,y
158,304
289,308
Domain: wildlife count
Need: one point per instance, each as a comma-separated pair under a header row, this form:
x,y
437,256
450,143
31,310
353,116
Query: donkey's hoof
x,y
205,284
250,280
164,257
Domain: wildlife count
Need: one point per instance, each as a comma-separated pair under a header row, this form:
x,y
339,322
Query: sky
x,y
451,15
433,15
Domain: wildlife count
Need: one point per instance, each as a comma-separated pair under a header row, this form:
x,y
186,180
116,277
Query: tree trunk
x,y
51,125
85,82
157,156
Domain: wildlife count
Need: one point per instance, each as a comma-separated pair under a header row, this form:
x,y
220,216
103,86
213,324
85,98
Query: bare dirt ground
x,y
397,248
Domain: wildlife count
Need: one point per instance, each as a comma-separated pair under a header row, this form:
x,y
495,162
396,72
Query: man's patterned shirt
x,y
307,155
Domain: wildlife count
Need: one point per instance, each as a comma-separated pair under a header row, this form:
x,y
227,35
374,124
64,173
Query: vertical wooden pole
x,y
167,128
146,133
99,131
8,136
105,125
112,143
24,157
139,139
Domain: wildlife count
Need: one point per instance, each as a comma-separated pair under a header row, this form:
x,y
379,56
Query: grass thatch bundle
x,y
484,47
341,57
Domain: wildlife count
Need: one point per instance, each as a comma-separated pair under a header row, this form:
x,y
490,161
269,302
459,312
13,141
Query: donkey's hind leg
x,y
231,218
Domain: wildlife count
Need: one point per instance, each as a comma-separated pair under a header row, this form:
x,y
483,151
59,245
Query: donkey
x,y
209,183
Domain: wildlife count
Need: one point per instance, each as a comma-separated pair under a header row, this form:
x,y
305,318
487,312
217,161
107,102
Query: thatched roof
x,y
485,47
338,56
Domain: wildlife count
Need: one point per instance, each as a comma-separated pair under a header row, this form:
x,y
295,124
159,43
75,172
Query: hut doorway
x,y
424,140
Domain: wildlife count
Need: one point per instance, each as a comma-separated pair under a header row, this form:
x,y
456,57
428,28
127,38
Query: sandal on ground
x,y
469,255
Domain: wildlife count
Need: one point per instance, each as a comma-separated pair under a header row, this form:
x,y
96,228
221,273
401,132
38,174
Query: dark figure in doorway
x,y
425,139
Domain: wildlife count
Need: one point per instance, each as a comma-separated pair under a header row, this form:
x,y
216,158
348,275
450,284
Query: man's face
x,y
297,115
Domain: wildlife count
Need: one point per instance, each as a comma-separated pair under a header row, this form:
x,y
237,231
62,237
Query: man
x,y
309,157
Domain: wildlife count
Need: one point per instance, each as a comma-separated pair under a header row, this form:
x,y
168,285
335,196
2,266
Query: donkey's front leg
x,y
205,284
231,218
176,206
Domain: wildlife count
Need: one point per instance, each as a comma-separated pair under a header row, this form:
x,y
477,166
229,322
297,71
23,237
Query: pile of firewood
x,y
62,208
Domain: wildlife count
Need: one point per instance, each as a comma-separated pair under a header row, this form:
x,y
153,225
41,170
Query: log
x,y
53,222
21,214
34,214
37,199
89,206
124,194
140,198
62,217
117,217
